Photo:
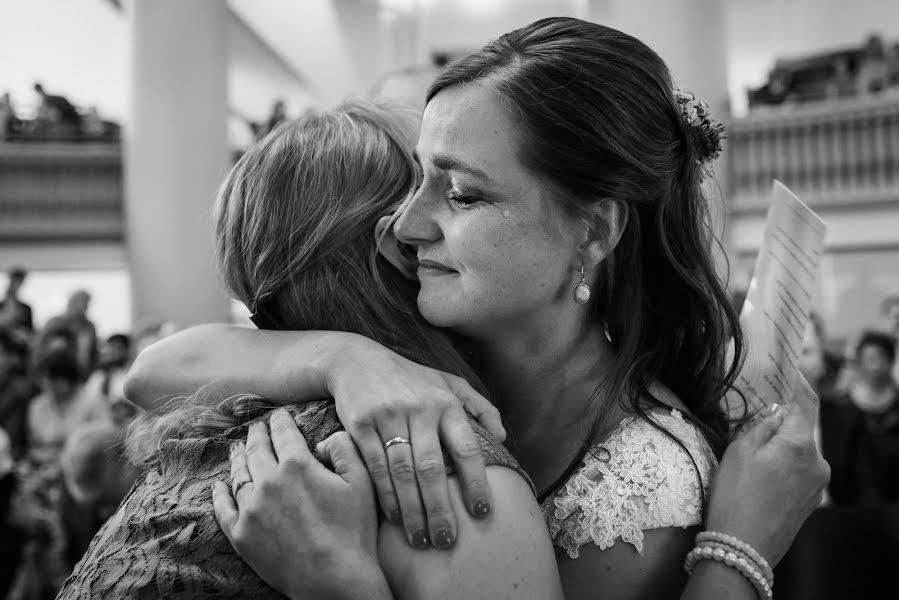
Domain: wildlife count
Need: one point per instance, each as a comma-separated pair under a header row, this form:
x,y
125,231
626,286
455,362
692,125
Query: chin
x,y
436,312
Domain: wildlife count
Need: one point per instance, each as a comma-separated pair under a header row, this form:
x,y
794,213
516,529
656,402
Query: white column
x,y
176,155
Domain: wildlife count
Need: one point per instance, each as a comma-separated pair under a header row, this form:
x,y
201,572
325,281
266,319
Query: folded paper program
x,y
778,302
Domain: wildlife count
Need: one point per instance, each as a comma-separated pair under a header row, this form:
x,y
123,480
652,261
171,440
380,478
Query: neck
x,y
545,378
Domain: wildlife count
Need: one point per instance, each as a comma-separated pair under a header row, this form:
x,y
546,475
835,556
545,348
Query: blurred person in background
x,y
13,312
16,390
38,503
75,326
8,120
11,547
874,68
105,387
279,114
818,364
57,109
97,476
860,428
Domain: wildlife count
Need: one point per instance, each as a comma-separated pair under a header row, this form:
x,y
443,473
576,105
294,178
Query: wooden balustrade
x,y
60,191
832,154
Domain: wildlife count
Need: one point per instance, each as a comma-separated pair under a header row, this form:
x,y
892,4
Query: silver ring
x,y
240,484
396,440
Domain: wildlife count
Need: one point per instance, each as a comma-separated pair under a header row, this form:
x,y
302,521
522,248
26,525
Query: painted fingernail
x,y
481,508
396,517
443,539
420,539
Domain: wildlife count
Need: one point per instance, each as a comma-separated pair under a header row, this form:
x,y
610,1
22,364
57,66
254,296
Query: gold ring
x,y
396,440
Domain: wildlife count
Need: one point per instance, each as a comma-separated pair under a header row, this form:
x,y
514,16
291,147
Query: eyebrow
x,y
446,162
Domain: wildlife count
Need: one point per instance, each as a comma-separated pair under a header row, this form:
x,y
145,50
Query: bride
x,y
560,228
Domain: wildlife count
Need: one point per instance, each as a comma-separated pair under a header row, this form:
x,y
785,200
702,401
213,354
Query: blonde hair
x,y
295,221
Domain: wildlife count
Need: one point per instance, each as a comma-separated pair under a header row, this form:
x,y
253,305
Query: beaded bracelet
x,y
741,564
729,540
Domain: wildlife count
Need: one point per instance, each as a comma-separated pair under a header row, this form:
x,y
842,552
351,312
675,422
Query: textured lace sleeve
x,y
638,479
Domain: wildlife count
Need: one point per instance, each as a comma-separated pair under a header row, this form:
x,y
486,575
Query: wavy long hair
x,y
294,232
598,119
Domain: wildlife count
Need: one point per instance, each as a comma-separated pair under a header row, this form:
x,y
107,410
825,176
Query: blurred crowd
x,y
63,420
859,422
55,118
868,70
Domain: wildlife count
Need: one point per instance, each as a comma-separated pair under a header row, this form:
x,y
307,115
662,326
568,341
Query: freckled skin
x,y
515,252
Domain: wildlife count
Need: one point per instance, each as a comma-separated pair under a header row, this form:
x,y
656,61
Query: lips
x,y
432,266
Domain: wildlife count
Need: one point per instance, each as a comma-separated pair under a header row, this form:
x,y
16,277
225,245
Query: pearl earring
x,y
581,289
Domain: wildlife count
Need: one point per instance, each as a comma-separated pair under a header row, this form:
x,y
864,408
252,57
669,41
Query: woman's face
x,y
494,245
873,362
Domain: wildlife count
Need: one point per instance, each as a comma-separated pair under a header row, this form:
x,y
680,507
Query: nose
x,y
417,224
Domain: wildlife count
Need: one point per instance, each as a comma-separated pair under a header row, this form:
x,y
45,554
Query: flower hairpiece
x,y
705,133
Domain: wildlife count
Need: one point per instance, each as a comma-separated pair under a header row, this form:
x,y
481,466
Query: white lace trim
x,y
637,479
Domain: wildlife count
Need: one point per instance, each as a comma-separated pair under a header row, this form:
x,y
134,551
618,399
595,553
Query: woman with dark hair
x,y
560,227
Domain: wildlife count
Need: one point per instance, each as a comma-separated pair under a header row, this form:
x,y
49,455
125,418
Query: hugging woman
x,y
560,232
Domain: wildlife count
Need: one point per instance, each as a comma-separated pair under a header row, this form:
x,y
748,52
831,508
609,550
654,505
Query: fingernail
x,y
235,446
396,517
420,539
772,410
443,539
481,508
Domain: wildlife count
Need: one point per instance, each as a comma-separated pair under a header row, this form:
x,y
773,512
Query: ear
x,y
609,219
401,256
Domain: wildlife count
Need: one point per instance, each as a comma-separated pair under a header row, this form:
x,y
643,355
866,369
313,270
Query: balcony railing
x,y
833,154
60,191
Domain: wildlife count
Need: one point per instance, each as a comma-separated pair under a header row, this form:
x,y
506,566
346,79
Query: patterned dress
x,y
637,479
164,541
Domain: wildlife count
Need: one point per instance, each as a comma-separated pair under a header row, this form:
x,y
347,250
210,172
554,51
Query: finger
x,y
239,471
759,433
401,465
464,450
340,454
372,450
430,471
261,459
287,441
480,408
225,509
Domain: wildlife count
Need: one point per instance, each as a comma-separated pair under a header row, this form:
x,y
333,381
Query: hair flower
x,y
704,132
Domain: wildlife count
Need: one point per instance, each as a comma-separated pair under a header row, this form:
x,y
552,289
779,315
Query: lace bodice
x,y
637,479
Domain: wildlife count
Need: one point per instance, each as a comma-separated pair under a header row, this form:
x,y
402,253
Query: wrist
x,y
349,576
316,372
339,358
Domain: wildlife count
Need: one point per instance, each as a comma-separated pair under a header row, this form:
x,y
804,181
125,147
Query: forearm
x,y
352,582
292,366
712,580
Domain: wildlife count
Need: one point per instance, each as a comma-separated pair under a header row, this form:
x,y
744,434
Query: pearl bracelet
x,y
743,565
740,545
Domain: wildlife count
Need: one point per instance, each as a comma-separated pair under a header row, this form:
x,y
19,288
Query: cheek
x,y
516,262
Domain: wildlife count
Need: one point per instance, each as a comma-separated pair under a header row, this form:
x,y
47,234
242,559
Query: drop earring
x,y
581,289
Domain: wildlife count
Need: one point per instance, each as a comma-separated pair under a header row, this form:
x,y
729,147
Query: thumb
x,y
339,453
759,433
481,409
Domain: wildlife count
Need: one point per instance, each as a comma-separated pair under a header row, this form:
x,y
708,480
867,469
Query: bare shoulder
x,y
506,555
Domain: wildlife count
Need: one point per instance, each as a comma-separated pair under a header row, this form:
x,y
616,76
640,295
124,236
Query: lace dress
x,y
638,479
164,541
